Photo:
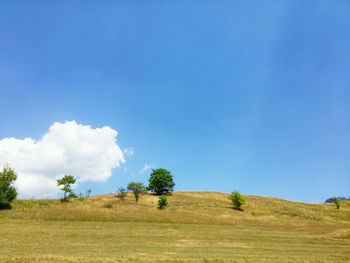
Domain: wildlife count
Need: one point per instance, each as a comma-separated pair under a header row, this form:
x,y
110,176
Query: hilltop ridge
x,y
184,207
195,227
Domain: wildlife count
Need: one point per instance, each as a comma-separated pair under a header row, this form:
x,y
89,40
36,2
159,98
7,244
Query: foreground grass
x,y
196,227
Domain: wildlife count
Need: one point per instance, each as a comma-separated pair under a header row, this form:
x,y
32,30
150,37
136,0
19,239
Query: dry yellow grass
x,y
195,227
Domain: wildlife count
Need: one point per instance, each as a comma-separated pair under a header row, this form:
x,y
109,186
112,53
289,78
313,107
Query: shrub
x,y
237,199
336,202
7,191
66,183
121,193
81,197
162,201
137,189
161,181
72,195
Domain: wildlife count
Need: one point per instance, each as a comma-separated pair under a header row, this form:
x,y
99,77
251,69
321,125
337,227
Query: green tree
x,y
66,182
237,199
336,202
137,189
161,182
7,190
162,201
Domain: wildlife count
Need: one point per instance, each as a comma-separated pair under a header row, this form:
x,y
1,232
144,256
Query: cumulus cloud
x,y
89,154
147,167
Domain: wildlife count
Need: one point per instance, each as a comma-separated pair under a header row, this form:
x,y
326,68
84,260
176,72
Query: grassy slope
x,y
197,226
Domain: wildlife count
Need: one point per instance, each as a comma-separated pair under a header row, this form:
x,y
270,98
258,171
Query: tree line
x,y
161,183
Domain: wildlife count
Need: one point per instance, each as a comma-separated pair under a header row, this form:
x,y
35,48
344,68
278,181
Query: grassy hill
x,y
195,227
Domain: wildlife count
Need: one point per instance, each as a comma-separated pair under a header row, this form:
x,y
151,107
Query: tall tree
x,y
7,190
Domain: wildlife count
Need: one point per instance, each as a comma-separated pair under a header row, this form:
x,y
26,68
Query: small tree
x,y
88,193
161,182
7,191
237,199
66,183
121,193
137,189
162,201
336,202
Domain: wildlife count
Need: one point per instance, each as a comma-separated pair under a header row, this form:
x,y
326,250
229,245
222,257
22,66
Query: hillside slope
x,y
196,226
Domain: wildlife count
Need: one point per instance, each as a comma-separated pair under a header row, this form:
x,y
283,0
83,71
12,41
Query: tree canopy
x,y
7,190
161,181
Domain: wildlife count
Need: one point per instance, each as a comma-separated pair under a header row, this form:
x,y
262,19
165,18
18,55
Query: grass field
x,y
195,227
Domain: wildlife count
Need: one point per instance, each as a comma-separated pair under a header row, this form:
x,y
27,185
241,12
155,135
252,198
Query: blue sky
x,y
248,95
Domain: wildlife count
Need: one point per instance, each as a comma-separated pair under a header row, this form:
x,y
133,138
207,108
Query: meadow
x,y
195,227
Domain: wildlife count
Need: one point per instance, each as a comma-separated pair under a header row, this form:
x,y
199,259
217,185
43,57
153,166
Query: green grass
x,y
195,227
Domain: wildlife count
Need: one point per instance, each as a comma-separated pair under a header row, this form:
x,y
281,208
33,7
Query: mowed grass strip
x,y
196,227
108,241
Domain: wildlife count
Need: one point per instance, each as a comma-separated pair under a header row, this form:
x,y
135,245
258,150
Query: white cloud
x,y
147,167
129,151
67,148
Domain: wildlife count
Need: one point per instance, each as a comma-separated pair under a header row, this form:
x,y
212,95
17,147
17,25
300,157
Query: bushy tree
x,y
161,181
137,189
162,201
7,190
336,202
237,199
66,182
121,193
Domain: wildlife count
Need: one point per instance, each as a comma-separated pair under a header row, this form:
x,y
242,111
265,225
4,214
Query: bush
x,y
336,202
161,181
7,191
237,199
137,189
162,201
121,193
